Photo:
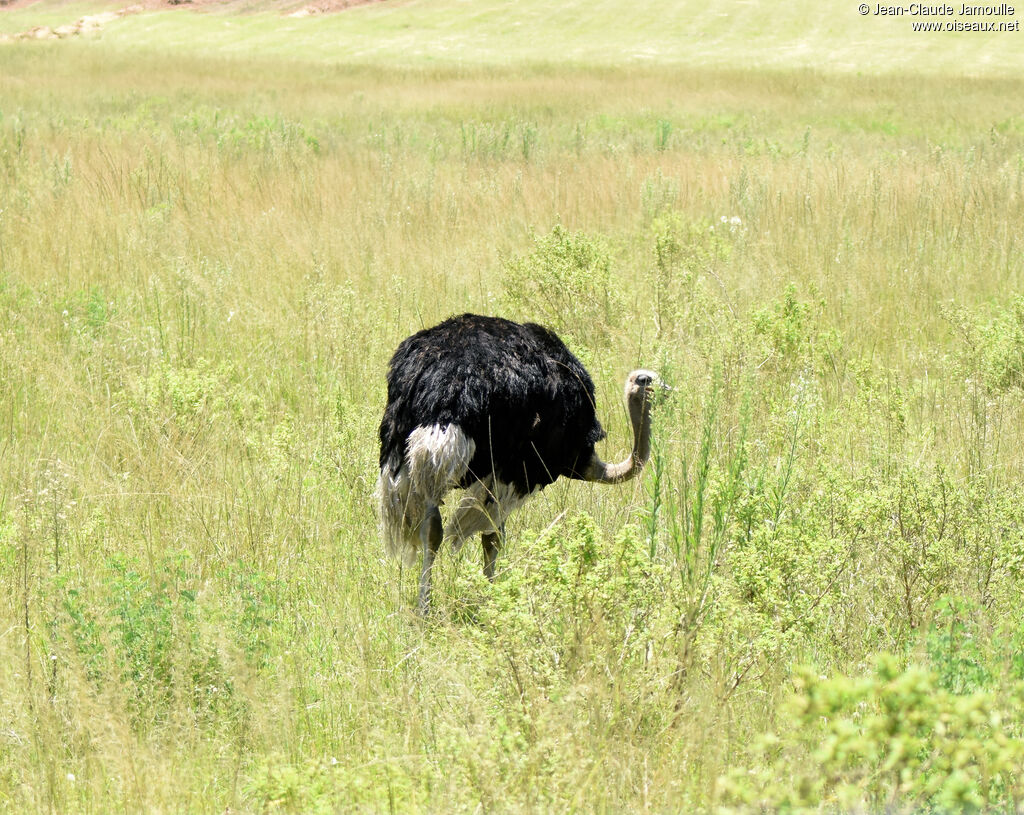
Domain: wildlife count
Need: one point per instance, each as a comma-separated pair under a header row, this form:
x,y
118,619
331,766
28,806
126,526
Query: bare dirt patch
x,y
286,7
91,23
83,25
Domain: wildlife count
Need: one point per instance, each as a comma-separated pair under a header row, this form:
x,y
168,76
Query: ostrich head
x,y
643,389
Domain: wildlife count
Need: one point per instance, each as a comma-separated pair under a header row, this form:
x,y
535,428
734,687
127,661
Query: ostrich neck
x,y
604,473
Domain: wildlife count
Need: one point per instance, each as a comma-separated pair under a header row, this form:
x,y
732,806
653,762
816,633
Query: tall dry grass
x,y
204,267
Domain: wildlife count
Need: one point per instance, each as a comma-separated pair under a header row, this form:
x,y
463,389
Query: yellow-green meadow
x,y
217,224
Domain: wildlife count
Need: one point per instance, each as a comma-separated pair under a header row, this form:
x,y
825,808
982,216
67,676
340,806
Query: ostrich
x,y
500,410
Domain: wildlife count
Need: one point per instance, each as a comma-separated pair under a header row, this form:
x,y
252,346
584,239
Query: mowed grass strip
x,y
831,36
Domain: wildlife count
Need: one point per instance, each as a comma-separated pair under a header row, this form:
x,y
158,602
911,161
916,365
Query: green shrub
x,y
894,741
565,283
953,646
570,601
992,349
685,253
144,631
795,333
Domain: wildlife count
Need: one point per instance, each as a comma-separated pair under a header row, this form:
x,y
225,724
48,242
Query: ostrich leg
x,y
430,534
492,542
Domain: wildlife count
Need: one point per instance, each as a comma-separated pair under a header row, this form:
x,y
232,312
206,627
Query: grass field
x,y
727,34
214,229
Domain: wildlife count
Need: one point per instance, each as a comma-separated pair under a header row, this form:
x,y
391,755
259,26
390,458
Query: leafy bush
x,y
893,741
685,252
569,603
237,134
148,626
256,607
565,283
330,785
993,349
794,333
184,402
954,649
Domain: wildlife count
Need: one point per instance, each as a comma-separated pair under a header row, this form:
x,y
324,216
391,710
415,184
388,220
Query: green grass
x,y
810,601
824,36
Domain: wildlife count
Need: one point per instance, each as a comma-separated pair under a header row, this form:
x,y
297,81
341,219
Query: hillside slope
x,y
833,36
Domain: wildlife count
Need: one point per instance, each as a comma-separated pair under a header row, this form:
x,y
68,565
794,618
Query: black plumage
x,y
514,389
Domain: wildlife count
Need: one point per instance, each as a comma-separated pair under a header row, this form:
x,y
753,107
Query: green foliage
x,y
498,140
953,648
158,639
793,333
86,632
894,741
85,313
659,195
785,324
257,597
237,135
565,282
568,603
284,787
144,620
993,349
686,253
190,400
663,134
330,786
692,510
690,248
149,627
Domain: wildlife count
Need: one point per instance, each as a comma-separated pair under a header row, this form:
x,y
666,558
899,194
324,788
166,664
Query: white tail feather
x,y
437,458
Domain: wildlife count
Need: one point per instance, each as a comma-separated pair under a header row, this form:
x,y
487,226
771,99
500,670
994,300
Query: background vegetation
x,y
809,602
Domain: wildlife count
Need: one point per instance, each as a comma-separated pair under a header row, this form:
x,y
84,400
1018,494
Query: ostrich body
x,y
498,409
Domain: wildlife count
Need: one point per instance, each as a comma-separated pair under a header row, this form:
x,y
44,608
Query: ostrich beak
x,y
654,387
